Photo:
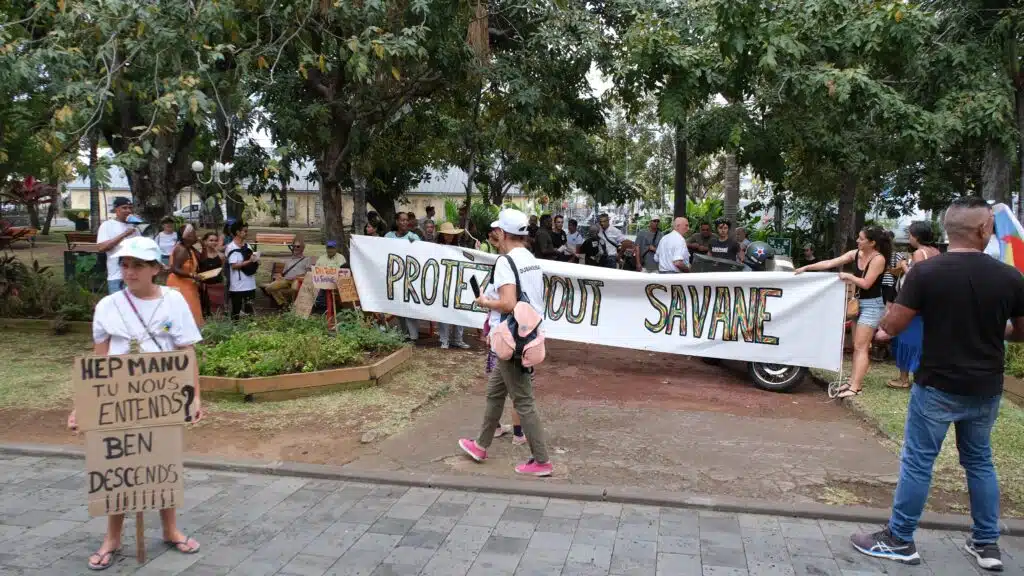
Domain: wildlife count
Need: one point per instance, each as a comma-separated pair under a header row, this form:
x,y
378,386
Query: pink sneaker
x,y
518,440
472,450
532,468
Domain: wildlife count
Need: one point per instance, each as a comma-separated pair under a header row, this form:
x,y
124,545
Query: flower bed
x,y
288,344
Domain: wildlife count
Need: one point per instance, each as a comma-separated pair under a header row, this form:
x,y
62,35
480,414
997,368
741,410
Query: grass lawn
x,y
887,409
35,374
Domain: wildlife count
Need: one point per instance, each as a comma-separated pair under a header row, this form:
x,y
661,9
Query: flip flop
x,y
107,556
898,384
848,393
177,545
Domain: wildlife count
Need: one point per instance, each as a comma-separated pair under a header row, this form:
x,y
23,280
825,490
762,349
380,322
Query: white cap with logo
x,y
140,248
512,221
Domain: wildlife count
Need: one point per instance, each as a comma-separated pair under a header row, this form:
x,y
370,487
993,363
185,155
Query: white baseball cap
x,y
512,221
140,248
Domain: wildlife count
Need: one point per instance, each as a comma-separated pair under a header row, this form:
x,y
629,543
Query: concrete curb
x,y
622,495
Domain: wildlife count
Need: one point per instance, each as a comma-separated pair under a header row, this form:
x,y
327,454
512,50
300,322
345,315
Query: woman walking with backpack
x,y
242,266
519,281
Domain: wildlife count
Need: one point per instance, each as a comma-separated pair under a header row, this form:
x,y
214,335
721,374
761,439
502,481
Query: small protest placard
x,y
134,390
134,470
347,286
306,297
325,277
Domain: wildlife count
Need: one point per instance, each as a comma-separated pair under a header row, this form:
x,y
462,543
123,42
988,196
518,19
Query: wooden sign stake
x,y
140,538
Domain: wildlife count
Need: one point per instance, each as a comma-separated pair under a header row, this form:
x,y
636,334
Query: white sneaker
x,y
444,345
461,345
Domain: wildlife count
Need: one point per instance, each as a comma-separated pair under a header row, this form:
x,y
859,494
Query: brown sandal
x,y
898,384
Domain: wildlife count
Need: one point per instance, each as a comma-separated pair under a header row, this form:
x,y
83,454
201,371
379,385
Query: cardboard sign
x,y
134,390
325,277
134,470
347,286
306,297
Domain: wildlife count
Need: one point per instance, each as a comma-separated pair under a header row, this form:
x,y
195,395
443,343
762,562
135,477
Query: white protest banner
x,y
773,317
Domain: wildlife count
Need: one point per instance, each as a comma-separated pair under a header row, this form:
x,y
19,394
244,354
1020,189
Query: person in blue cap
x,y
109,237
333,257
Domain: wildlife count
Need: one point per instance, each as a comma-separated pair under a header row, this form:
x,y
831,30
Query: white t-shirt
x,y
168,318
410,236
240,281
671,248
531,278
574,239
166,242
611,239
493,316
108,231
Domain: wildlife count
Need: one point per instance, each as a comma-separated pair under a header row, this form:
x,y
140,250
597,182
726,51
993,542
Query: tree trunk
x,y
845,221
283,220
473,139
1020,144
51,210
995,177
732,188
358,203
94,185
331,197
32,208
679,206
382,202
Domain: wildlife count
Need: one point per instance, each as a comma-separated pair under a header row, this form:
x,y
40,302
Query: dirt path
x,y
613,417
661,422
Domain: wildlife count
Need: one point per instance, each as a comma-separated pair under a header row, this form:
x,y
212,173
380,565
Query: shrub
x,y
283,344
33,292
1015,359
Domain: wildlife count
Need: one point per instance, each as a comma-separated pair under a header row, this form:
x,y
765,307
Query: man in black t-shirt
x,y
723,246
969,303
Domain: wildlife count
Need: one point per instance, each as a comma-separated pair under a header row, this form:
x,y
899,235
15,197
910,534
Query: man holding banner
x,y
510,378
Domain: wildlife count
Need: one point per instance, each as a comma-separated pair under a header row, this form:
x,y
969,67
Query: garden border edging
x,y
306,383
622,495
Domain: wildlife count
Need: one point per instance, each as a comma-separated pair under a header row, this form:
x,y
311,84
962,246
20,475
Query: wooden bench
x,y
13,234
75,239
274,239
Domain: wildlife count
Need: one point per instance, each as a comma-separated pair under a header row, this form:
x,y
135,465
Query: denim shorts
x,y
871,311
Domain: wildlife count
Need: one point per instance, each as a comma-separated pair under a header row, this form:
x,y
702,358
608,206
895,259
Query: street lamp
x,y
217,172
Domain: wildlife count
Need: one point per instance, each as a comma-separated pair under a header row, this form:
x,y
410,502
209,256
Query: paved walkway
x,y
253,525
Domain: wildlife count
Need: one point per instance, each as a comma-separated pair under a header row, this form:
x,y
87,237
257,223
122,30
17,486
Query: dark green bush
x,y
33,292
283,344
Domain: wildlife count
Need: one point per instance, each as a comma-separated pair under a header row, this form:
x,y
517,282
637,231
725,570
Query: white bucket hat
x,y
140,248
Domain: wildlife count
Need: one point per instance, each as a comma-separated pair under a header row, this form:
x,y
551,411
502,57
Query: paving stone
x,y
594,537
770,569
590,554
515,529
675,564
564,509
598,521
447,509
801,530
532,502
423,539
256,525
519,514
397,526
447,565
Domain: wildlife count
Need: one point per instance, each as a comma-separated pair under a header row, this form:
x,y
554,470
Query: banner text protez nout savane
x,y
774,317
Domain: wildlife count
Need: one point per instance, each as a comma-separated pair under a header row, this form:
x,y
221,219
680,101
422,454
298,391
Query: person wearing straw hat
x,y
448,235
142,317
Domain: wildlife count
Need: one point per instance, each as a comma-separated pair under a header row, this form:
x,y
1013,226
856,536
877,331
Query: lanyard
x,y
141,321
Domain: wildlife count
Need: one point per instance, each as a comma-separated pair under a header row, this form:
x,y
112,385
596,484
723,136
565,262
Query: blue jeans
x,y
114,286
929,415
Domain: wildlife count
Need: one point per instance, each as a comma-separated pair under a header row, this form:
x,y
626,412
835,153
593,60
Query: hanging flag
x,y
1009,235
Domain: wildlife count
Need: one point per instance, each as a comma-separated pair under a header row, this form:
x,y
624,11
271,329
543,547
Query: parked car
x,y
191,212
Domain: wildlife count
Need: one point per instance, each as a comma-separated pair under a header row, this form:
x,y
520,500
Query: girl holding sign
x,y
144,317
